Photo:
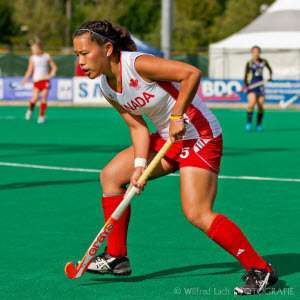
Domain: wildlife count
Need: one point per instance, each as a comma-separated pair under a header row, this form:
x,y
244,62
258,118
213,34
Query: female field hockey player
x,y
38,68
254,74
137,84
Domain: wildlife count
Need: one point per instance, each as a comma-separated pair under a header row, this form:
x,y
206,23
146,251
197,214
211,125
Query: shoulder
x,y
249,64
130,57
264,61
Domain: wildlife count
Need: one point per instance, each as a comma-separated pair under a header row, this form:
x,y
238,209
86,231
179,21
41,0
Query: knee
x,y
199,218
109,179
106,175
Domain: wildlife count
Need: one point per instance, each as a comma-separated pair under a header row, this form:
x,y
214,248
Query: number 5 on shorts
x,y
185,152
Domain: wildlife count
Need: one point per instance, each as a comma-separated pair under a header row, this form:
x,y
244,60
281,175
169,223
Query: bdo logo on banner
x,y
219,90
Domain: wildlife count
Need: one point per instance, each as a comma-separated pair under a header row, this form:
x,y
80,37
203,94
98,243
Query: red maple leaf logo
x,y
134,82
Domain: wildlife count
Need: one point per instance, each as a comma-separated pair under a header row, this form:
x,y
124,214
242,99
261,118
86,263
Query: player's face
x,y
36,50
92,58
255,53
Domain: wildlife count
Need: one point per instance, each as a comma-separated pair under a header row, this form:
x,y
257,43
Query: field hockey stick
x,y
77,272
245,89
285,104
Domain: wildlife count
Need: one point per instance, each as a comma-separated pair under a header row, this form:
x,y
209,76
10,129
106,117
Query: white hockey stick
x,y
77,272
245,89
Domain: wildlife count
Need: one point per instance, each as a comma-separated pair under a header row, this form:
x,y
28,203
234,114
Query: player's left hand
x,y
177,130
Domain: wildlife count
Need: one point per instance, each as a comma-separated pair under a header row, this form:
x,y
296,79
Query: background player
x,y
38,68
165,91
254,74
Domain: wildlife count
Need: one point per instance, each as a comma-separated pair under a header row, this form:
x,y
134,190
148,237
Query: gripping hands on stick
x,y
77,272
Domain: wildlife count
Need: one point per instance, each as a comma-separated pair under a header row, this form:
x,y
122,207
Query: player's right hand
x,y
134,180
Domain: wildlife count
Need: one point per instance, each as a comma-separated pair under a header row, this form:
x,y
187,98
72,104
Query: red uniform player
x,y
137,84
38,68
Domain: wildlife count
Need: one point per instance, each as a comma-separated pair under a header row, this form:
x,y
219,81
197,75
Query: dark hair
x,y
119,35
256,47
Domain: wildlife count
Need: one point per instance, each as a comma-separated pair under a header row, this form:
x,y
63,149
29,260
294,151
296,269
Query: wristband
x,y
178,120
140,162
172,117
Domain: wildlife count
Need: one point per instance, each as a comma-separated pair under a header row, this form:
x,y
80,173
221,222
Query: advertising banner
x,y
11,88
218,90
86,90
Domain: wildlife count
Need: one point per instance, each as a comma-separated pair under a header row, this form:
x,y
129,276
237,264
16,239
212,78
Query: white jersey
x,y
156,100
40,66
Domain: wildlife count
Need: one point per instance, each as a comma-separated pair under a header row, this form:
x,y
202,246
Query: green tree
x,y
193,20
44,20
237,15
7,27
84,11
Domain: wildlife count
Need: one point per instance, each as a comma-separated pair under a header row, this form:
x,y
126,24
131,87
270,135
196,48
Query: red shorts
x,y
41,85
201,153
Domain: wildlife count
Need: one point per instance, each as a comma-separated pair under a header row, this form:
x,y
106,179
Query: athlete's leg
x,y
43,106
114,178
251,97
198,192
260,112
32,102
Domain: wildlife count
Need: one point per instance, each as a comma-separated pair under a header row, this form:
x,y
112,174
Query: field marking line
x,y
7,164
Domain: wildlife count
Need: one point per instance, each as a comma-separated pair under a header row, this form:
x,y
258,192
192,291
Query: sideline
x,y
7,164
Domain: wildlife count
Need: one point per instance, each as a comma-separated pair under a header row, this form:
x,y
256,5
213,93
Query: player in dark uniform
x,y
254,74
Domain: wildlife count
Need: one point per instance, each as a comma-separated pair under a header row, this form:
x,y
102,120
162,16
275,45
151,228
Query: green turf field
x,y
50,217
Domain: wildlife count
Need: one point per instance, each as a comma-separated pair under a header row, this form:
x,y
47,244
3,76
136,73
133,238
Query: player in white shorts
x,y
38,68
165,91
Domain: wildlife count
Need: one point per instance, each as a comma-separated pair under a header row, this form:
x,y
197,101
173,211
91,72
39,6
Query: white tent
x,y
277,32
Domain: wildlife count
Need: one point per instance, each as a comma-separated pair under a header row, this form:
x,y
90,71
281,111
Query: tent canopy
x,y
145,47
277,32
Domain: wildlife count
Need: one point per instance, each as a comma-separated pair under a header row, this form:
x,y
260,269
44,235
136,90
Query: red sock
x,y
117,239
43,108
31,106
228,235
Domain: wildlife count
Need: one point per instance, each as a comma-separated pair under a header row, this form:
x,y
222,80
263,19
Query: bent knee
x,y
110,180
201,219
107,175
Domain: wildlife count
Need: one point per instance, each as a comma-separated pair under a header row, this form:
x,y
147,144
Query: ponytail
x,y
125,41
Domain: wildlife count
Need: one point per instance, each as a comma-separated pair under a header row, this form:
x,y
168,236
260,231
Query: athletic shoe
x,y
41,119
257,280
108,264
259,128
28,114
248,126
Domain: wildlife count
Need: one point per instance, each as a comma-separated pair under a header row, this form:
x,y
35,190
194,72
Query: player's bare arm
x,y
140,139
157,69
29,71
53,67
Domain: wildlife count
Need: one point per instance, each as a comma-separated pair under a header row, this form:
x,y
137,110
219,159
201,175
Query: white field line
x,y
7,164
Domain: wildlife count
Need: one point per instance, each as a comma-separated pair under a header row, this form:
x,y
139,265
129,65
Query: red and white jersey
x,y
156,100
40,66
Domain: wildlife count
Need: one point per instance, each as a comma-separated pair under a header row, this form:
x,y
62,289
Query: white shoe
x,y
28,114
41,119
